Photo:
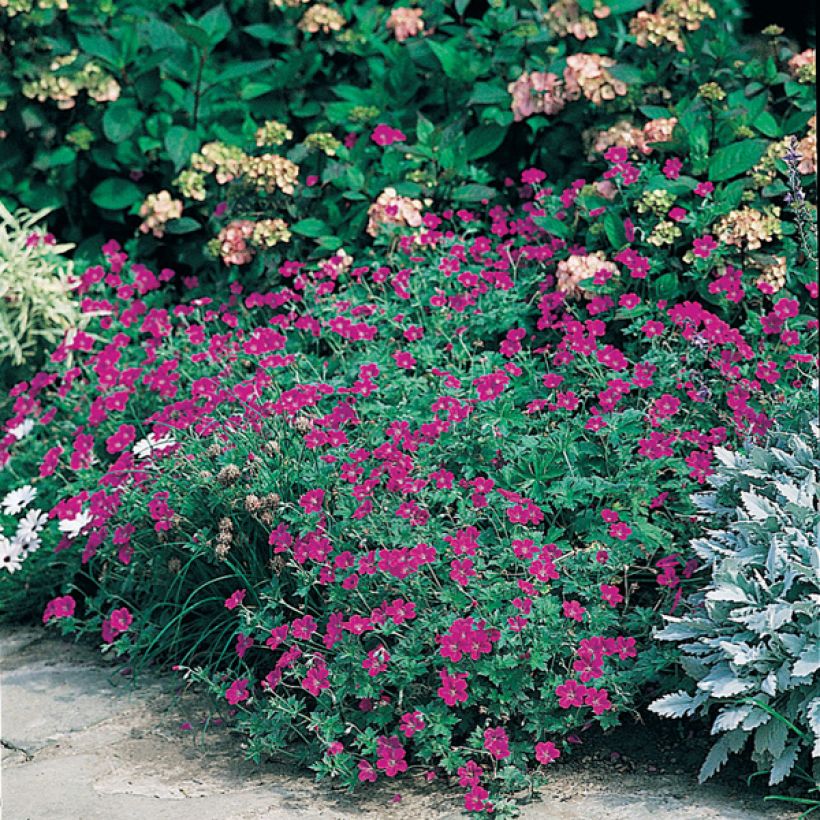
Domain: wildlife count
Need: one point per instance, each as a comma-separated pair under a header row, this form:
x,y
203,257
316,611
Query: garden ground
x,y
78,744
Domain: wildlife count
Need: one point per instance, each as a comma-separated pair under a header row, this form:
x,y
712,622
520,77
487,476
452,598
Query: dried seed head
x,y
228,474
253,503
302,424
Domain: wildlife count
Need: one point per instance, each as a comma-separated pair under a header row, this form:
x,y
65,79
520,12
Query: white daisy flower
x,y
21,430
26,544
32,523
146,447
17,500
11,556
72,527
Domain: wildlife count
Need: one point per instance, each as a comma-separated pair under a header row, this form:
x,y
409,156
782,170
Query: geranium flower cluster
x,y
428,502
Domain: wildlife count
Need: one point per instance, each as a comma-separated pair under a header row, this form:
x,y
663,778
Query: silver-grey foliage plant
x,y
751,641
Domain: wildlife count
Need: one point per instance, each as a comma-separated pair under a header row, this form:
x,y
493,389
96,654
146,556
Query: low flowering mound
x,y
417,512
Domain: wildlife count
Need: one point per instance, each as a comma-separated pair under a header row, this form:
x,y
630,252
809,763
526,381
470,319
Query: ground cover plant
x,y
447,450
387,435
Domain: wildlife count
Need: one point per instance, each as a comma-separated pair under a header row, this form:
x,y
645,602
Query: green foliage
x,y
36,306
116,97
752,639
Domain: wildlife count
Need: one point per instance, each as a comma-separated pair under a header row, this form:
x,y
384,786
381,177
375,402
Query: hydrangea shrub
x,y
121,96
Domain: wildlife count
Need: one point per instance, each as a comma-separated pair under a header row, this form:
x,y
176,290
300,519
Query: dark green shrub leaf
x,y
473,193
484,140
490,94
116,194
182,225
217,24
180,143
735,159
120,121
310,227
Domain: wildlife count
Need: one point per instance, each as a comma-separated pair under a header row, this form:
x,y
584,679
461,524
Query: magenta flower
x,y
237,691
672,168
367,774
611,595
385,135
598,699
62,607
570,693
573,610
546,752
532,176
453,688
411,722
703,246
120,620
235,599
311,501
620,530
391,755
496,742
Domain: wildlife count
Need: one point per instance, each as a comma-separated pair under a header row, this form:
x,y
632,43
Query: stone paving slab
x,y
79,744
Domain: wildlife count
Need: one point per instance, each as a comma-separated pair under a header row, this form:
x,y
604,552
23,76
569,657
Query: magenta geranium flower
x,y
704,245
546,752
237,691
235,599
386,135
62,607
496,742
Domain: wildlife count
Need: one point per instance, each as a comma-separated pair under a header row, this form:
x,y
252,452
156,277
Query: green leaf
x,y
402,81
266,33
64,155
666,285
554,226
473,193
180,143
182,225
450,57
484,140
237,70
629,74
116,194
767,125
310,227
490,94
120,121
98,46
194,34
735,159
217,24
424,129
729,196
614,230
626,6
